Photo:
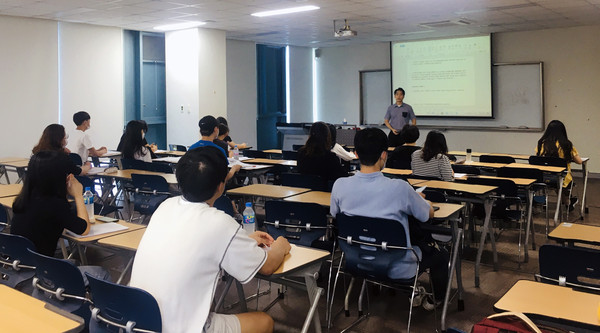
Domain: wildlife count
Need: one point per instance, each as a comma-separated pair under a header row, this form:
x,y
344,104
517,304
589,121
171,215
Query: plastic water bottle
x,y
249,218
468,155
88,200
236,153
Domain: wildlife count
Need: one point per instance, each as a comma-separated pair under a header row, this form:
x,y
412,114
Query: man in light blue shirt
x,y
369,193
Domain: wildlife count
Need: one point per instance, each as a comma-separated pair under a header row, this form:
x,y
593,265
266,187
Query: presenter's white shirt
x,y
180,258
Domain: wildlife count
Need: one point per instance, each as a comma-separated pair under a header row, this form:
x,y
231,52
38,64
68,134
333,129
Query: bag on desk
x,y
510,322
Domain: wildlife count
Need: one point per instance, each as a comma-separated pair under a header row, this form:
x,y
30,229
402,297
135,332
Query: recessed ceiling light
x,y
285,11
179,26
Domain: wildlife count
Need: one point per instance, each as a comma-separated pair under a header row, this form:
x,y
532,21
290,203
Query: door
x,y
271,95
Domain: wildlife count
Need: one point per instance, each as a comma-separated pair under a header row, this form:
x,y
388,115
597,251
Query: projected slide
x,y
447,77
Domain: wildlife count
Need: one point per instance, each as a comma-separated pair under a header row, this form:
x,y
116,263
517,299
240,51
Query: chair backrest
x,y
576,264
16,263
345,136
296,147
173,147
373,247
130,163
496,159
149,183
468,169
313,182
76,159
506,187
150,192
161,167
435,195
301,223
128,307
3,218
289,155
528,173
223,203
254,153
547,161
60,283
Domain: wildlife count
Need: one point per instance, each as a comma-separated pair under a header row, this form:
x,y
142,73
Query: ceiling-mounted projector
x,y
343,32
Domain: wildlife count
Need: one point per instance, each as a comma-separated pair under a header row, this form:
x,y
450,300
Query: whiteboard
x,y
517,101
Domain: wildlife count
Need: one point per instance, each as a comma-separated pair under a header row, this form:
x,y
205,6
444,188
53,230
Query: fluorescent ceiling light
x,y
179,26
285,11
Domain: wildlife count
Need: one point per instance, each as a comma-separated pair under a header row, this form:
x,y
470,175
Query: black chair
x,y
290,155
100,206
468,169
254,153
3,218
60,283
570,266
296,147
313,182
371,246
149,192
223,203
161,167
547,161
496,159
173,147
120,308
130,163
16,263
301,223
76,159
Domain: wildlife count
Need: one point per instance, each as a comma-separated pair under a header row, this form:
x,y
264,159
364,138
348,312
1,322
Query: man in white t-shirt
x,y
187,244
80,143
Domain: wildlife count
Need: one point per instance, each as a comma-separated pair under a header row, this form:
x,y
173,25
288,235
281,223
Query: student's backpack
x,y
510,322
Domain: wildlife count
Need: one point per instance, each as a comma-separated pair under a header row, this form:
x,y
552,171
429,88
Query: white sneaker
x,y
429,304
419,296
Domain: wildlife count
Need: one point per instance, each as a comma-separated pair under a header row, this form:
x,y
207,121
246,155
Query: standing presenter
x,y
398,115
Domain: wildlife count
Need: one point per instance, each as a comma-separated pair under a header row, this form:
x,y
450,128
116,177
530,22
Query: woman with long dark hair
x,y
316,158
556,143
41,210
133,144
432,160
54,138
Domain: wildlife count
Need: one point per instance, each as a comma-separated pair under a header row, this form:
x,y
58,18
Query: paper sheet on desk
x,y
246,166
99,229
168,159
459,175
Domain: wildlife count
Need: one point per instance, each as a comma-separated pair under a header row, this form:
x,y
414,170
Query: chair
x,y
76,159
60,283
150,191
173,147
296,147
314,182
3,218
254,153
301,223
120,308
130,163
223,203
290,155
468,169
496,159
547,161
570,266
161,167
16,264
100,206
371,246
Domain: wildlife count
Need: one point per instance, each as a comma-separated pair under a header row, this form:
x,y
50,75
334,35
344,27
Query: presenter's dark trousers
x,y
394,140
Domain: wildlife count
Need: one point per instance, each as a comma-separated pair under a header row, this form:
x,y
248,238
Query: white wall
x,y
241,91
196,80
301,91
91,79
28,82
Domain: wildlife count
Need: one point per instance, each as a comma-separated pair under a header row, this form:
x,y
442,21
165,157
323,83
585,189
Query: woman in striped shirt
x,y
432,160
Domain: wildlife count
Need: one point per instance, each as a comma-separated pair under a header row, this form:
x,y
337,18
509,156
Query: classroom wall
x,y
28,82
91,79
301,86
196,81
241,91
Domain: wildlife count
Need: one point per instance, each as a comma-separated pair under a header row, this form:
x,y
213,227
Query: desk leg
x,y
484,232
584,209
558,200
529,225
127,267
314,293
4,173
454,266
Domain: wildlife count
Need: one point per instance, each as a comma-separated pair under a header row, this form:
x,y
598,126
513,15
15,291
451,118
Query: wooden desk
x,y
126,174
21,313
10,190
551,301
484,164
318,197
416,181
523,182
299,257
476,154
7,201
273,151
89,239
459,187
170,152
402,172
446,209
19,164
4,160
576,233
128,240
268,191
288,163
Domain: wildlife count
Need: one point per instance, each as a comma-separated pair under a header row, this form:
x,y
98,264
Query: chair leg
x,y
360,298
330,305
346,307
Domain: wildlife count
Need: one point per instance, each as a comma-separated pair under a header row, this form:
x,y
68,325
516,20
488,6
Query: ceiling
x,y
374,20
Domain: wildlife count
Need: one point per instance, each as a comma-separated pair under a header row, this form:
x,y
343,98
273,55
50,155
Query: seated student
x,y
227,138
337,148
133,146
54,138
41,210
151,147
555,143
80,142
316,158
220,140
400,158
195,241
369,193
432,159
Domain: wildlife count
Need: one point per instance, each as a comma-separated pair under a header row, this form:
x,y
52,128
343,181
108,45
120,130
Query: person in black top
x,y
41,210
223,135
54,138
151,147
316,158
227,138
400,158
